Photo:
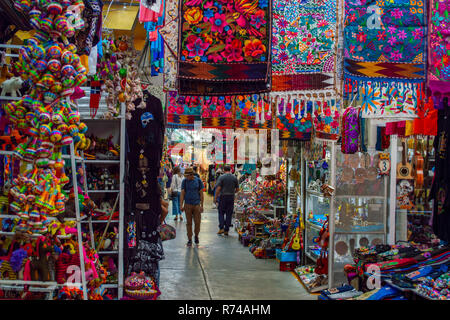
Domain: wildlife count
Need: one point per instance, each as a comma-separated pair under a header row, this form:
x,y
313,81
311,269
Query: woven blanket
x,y
439,48
385,54
224,46
303,42
182,111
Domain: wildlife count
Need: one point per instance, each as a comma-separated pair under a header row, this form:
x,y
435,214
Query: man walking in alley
x,y
227,185
191,202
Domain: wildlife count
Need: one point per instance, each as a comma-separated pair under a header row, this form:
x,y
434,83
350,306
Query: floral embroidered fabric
x,y
253,111
303,42
183,111
226,41
384,55
169,33
439,43
303,36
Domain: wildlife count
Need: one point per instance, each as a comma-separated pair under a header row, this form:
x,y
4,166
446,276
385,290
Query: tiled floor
x,y
221,268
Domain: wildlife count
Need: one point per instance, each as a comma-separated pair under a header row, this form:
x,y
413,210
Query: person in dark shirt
x,y
227,185
191,201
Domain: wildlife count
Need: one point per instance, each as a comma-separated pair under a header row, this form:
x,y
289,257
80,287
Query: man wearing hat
x,y
191,202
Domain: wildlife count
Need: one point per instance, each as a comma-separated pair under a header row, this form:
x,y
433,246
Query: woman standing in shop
x,y
175,190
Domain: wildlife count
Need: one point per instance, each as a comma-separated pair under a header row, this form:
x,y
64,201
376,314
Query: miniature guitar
x,y
404,168
418,163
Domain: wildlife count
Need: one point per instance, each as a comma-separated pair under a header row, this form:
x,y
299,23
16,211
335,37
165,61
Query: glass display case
x,y
318,172
360,215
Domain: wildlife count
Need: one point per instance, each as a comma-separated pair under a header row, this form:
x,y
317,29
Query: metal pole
x,y
393,191
331,218
91,229
77,212
121,201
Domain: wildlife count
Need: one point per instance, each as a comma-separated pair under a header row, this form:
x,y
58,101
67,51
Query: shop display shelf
x,y
99,161
88,119
313,225
108,252
314,193
103,191
26,282
102,221
109,285
359,232
311,255
67,157
9,98
359,196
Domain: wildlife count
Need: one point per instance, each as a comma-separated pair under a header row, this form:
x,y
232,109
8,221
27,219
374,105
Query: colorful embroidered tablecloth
x,y
439,49
182,111
224,46
384,54
303,44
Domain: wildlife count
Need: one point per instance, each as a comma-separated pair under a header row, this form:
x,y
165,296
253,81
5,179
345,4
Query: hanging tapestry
x,y
294,117
439,49
169,33
224,46
384,54
217,111
303,44
182,111
252,112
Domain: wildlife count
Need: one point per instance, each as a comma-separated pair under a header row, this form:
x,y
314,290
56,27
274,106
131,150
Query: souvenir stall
x,y
47,251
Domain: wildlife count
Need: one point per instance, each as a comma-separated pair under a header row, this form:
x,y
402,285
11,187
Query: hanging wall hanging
x,y
293,116
439,44
384,55
182,111
224,47
253,112
303,52
169,33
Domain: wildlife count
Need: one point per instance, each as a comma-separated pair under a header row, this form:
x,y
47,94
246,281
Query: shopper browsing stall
x,y
175,189
226,187
191,201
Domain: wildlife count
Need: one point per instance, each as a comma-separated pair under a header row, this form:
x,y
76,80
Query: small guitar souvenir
x,y
404,168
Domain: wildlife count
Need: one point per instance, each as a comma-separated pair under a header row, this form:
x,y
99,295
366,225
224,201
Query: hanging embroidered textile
x,y
326,118
294,117
224,46
384,55
303,44
182,111
252,112
439,49
217,111
169,33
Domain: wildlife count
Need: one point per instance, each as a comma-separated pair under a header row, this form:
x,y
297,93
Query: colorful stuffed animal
x,y
12,87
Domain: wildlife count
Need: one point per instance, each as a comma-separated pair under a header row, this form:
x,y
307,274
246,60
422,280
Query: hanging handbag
x,y
350,132
167,232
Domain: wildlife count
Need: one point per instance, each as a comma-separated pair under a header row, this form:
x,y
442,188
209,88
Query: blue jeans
x,y
226,208
176,204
